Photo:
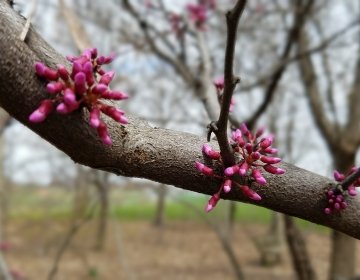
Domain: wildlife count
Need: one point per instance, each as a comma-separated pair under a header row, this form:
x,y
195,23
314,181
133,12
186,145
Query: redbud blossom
x,y
250,193
85,86
212,202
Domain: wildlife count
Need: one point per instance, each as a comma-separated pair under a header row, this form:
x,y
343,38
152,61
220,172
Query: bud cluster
x,y
84,87
253,154
336,195
198,13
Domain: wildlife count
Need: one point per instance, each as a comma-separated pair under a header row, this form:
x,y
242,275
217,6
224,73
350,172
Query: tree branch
x,y
139,150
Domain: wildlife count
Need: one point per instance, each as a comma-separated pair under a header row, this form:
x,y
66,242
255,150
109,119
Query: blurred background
x,y
299,64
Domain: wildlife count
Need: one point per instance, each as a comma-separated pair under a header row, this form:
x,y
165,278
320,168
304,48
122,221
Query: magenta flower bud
x,y
212,202
219,83
270,150
63,73
352,191
256,174
244,129
338,176
77,68
80,82
107,78
95,117
227,185
230,171
105,59
94,53
250,193
99,89
54,87
114,95
273,170
69,97
103,134
255,155
236,134
327,211
249,148
42,112
62,109
40,69
270,160
343,205
204,169
88,70
260,131
114,113
210,152
243,168
265,142
337,205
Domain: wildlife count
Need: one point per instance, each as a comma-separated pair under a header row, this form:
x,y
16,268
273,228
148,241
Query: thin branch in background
x,y
67,240
4,270
26,28
298,22
230,82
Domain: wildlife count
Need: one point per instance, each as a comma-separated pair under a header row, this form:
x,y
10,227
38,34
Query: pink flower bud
x,y
343,205
337,205
230,171
40,69
94,53
99,89
270,160
255,155
260,131
249,148
114,95
227,185
62,109
80,82
352,191
212,202
70,98
327,211
244,129
338,176
63,72
256,174
219,83
273,170
88,70
77,68
270,150
54,87
116,114
204,169
210,152
103,133
265,142
94,117
42,112
250,193
107,78
243,168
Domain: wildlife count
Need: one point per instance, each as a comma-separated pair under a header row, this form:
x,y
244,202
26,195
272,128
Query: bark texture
x,y
140,150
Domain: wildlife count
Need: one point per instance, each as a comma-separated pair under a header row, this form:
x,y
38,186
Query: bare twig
x,y
4,270
68,238
350,179
230,82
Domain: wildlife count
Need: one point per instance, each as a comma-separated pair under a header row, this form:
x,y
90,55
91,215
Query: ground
x,y
183,250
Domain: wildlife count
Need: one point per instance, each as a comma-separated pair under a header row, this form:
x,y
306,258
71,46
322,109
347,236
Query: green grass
x,y
56,204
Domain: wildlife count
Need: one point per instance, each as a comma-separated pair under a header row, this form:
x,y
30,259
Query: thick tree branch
x,y
140,150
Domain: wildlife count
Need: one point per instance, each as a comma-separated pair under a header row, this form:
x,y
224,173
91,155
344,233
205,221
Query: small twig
x,y
350,179
73,230
232,20
4,270
26,28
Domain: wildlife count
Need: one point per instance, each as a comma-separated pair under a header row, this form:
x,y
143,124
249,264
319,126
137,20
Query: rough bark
x,y
140,150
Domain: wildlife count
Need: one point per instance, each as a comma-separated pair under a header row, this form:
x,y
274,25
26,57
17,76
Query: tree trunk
x,y
160,206
299,255
103,215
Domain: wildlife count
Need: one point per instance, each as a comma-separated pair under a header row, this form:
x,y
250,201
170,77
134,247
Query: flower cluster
x,y
336,195
252,153
219,85
85,86
198,15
